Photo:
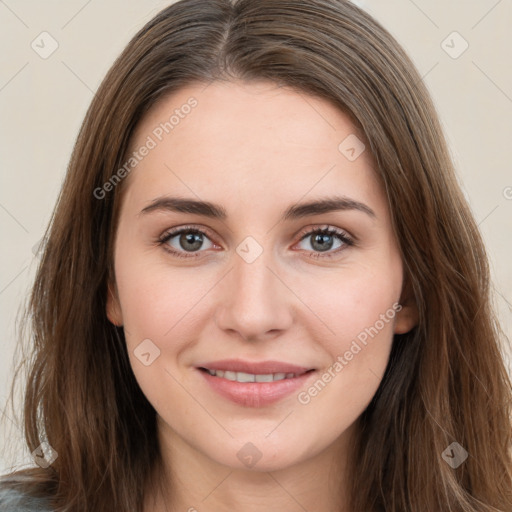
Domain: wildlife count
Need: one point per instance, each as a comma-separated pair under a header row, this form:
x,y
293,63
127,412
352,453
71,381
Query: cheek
x,y
362,319
358,307
164,310
159,308
350,300
154,296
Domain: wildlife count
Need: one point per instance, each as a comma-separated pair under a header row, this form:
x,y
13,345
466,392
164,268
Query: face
x,y
310,292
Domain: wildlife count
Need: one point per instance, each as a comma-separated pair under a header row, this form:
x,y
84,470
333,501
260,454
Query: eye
x,y
323,239
185,239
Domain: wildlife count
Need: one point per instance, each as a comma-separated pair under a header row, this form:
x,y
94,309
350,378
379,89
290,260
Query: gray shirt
x,y
12,500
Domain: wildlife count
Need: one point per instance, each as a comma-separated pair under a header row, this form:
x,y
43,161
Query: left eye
x,y
322,240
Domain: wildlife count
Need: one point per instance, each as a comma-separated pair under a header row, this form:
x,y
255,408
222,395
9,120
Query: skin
x,y
254,148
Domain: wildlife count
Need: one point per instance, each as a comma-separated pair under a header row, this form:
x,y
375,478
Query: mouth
x,y
252,377
255,389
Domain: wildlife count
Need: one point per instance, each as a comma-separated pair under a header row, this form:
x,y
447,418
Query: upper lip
x,y
255,367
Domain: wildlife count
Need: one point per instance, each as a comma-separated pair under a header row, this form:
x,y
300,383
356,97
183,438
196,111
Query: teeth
x,y
250,377
243,377
264,378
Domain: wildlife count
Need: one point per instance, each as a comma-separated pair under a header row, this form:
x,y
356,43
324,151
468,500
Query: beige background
x,y
43,101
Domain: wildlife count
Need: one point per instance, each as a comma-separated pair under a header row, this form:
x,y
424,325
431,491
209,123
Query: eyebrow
x,y
296,211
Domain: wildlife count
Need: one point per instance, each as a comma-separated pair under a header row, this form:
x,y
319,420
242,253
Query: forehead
x,y
237,110
253,137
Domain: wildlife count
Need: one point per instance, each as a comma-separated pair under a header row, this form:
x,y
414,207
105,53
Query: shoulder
x,y
14,500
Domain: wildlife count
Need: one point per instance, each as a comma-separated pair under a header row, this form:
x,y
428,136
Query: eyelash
x,y
341,235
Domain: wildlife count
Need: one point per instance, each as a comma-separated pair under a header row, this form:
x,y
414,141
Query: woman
x,y
326,342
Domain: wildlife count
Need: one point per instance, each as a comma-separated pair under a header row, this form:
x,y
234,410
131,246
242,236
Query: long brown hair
x,y
446,381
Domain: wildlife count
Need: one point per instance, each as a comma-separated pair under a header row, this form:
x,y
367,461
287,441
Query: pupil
x,y
323,240
192,238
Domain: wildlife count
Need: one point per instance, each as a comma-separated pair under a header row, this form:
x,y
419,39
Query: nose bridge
x,y
251,272
254,301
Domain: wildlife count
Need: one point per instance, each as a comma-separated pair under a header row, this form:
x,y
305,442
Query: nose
x,y
254,301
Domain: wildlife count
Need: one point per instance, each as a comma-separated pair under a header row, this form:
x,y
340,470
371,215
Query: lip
x,y
255,394
256,367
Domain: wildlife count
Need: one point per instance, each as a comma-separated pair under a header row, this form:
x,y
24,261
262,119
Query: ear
x,y
114,313
408,317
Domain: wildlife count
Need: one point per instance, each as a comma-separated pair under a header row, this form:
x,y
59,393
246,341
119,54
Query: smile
x,y
254,390
250,377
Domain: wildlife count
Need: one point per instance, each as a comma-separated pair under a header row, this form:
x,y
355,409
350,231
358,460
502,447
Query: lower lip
x,y
256,394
